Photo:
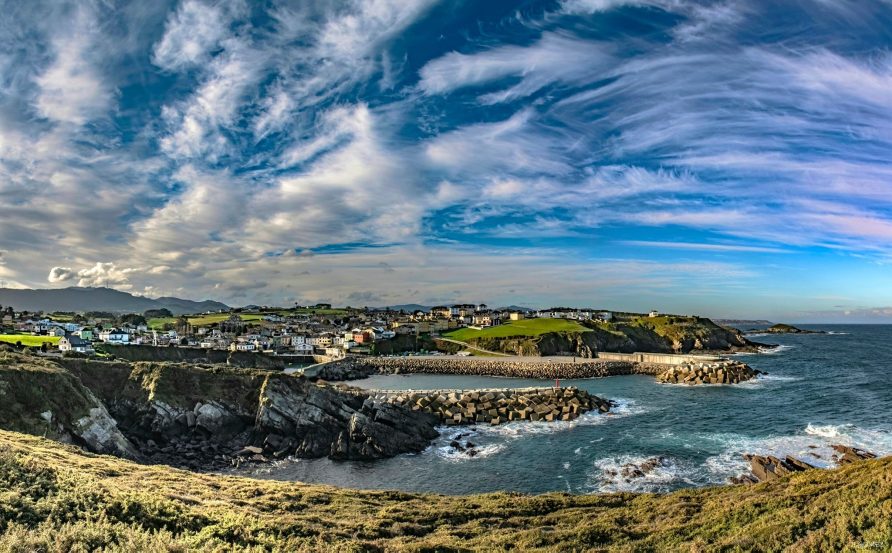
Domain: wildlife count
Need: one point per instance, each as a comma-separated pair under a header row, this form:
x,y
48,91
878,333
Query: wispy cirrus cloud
x,y
199,143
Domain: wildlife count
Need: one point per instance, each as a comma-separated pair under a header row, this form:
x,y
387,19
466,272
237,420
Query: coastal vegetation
x,y
56,498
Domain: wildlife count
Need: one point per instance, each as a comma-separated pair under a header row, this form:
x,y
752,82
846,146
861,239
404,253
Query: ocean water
x,y
821,389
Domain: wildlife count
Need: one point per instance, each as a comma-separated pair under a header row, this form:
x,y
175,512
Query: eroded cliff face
x,y
203,417
39,397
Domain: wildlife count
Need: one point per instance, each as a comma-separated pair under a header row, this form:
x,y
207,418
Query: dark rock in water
x,y
631,470
470,445
472,452
767,467
852,454
455,445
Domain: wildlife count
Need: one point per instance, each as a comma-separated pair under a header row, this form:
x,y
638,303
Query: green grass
x,y
56,498
28,340
523,327
205,320
202,320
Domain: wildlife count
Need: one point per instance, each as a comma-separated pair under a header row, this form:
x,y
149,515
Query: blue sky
x,y
729,158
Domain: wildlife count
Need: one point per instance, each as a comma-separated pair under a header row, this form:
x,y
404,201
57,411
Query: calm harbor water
x,y
822,389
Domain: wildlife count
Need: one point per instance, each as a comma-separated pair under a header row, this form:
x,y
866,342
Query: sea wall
x,y
493,407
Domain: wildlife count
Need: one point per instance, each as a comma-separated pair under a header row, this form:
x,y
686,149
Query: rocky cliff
x,y
200,417
39,397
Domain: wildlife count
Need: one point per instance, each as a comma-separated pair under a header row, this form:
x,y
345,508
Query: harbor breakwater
x,y
353,368
681,369
494,407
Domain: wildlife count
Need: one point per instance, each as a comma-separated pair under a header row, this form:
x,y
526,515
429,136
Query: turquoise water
x,y
821,390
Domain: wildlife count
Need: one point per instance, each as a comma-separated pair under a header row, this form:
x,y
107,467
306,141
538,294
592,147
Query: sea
x,y
820,390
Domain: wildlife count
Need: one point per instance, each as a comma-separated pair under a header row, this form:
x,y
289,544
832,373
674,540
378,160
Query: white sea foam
x,y
764,380
813,446
835,333
490,440
776,349
669,473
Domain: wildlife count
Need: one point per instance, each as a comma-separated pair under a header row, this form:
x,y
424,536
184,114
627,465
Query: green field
x,y
523,327
202,320
205,320
28,340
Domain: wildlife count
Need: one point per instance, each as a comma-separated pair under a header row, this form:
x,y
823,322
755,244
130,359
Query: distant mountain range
x,y
99,299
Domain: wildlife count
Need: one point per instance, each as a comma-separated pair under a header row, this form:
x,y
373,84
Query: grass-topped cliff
x,y
663,334
58,498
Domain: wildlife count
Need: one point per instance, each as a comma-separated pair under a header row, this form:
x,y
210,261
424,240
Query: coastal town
x,y
317,329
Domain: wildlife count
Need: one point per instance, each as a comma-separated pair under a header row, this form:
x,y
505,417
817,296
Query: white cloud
x,y
553,59
61,274
72,89
195,124
100,274
192,33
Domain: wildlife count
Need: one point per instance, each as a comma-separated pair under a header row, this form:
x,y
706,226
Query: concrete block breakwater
x,y
495,407
533,368
724,372
695,370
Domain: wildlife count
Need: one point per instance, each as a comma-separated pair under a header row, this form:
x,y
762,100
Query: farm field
x,y
28,340
524,327
205,320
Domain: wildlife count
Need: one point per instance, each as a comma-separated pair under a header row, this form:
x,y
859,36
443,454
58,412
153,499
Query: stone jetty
x,y
721,372
456,407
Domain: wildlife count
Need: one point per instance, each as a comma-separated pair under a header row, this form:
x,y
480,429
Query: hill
x,y
55,497
99,299
664,334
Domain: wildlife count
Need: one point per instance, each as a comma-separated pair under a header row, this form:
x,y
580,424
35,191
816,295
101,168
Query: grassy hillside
x,y
524,327
57,498
664,334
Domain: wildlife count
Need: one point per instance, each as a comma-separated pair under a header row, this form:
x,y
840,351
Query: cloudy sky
x,y
728,158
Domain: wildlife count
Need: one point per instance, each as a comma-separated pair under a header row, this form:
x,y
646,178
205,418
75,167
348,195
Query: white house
x,y
114,336
76,344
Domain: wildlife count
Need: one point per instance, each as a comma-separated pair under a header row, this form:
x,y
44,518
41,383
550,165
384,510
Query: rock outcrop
x,y
499,406
722,372
788,329
297,417
203,418
765,468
